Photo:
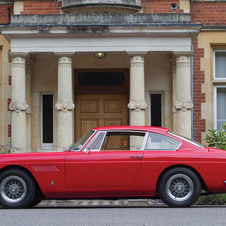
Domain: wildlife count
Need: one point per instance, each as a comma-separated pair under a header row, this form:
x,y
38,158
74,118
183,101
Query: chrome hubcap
x,y
179,187
13,189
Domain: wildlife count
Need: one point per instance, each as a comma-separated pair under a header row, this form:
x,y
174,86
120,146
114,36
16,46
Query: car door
x,y
111,160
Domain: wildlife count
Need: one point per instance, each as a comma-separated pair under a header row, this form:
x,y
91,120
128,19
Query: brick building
x,y
163,65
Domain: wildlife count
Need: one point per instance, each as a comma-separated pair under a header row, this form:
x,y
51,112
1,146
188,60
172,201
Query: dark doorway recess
x,y
156,110
47,118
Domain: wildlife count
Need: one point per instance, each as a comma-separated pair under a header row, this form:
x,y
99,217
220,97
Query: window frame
x,y
47,145
169,137
214,63
116,131
215,103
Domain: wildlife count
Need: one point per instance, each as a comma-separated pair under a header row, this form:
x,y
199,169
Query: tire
x,y
34,202
179,187
17,189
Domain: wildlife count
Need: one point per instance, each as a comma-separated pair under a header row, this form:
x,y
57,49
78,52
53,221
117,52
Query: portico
x,y
65,48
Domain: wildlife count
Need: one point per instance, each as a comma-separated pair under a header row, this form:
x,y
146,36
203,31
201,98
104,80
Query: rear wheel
x,y
179,187
17,189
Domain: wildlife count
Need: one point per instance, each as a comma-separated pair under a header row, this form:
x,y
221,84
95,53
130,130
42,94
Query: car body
x,y
112,163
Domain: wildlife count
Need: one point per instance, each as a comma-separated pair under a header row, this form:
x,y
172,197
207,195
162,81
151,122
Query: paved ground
x,y
83,203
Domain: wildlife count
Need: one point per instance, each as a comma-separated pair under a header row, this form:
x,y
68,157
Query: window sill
x,y
219,81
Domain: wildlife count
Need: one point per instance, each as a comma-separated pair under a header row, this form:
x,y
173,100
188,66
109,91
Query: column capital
x,y
18,54
182,53
136,53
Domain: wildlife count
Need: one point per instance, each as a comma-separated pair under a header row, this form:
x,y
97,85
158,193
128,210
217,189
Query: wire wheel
x,y
13,189
179,187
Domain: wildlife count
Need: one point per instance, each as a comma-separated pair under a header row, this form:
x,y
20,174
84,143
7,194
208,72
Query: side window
x,y
96,144
119,141
160,142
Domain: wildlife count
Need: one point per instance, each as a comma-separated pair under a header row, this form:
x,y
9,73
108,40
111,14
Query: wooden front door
x,y
93,110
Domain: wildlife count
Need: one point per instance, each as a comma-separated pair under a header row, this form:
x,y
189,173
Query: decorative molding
x,y
183,59
183,105
14,55
18,106
137,53
75,6
100,19
65,105
177,54
137,105
64,60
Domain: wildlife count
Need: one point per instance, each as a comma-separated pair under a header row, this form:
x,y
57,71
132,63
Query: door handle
x,y
136,156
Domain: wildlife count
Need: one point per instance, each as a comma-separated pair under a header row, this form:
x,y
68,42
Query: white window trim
x,y
162,105
47,145
214,60
215,103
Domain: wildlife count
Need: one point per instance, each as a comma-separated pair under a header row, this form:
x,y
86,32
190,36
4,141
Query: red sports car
x,y
113,163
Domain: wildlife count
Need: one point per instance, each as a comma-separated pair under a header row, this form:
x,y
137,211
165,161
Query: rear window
x,y
159,142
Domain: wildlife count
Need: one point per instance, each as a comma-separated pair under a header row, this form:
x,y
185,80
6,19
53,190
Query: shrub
x,y
216,199
217,139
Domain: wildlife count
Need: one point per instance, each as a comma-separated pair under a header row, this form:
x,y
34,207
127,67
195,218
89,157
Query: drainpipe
x,y
8,17
192,128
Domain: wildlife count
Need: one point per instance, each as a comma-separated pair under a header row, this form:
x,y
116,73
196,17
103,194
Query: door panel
x,y
102,168
112,122
87,124
112,105
89,105
94,110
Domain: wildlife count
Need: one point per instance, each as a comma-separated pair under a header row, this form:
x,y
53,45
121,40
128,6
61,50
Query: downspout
x,y
192,128
8,17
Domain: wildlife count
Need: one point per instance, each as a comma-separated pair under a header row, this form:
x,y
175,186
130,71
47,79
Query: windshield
x,y
188,140
81,142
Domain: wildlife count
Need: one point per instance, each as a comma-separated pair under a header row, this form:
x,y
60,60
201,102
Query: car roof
x,y
135,128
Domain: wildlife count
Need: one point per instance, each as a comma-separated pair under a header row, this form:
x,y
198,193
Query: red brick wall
x,y
199,124
41,7
9,130
159,6
4,13
209,13
8,103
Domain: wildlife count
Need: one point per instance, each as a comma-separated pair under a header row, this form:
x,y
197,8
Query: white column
x,y
137,103
18,104
64,104
183,104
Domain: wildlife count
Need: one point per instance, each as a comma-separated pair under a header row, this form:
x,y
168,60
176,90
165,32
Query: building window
x,y
219,64
220,106
156,109
47,122
219,71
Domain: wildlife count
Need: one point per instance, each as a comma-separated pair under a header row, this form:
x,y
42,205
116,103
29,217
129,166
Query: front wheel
x,y
17,189
179,187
